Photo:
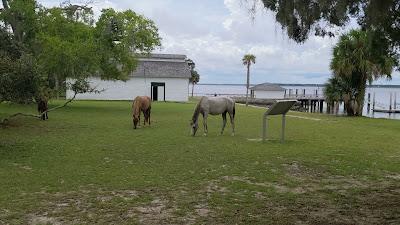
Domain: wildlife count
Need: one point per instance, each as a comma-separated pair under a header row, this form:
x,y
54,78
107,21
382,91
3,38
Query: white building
x,y
163,77
267,91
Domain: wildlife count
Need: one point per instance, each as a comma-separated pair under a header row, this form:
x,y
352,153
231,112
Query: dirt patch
x,y
202,210
277,187
156,212
394,176
43,220
214,187
90,206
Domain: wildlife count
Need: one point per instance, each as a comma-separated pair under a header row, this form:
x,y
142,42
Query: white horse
x,y
213,106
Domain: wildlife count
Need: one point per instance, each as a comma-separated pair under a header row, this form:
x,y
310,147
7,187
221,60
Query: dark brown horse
x,y
141,104
43,107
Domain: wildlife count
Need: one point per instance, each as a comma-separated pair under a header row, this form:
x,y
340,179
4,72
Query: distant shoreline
x,y
308,85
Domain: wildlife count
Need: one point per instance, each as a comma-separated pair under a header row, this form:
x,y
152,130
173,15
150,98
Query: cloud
x,y
216,35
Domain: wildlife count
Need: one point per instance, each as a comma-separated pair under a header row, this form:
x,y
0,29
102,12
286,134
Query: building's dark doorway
x,y
155,92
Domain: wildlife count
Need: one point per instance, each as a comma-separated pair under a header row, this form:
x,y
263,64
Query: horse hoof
x,y
232,135
204,134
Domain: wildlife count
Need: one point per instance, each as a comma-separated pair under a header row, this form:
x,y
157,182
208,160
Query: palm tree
x,y
340,89
248,60
195,76
358,60
194,79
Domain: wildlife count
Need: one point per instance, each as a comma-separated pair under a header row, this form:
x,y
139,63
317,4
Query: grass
x,y
87,165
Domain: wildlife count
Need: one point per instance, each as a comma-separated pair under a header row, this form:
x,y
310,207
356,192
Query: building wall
x,y
269,94
176,89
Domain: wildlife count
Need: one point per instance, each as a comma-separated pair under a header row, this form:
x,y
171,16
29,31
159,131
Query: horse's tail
x,y
234,111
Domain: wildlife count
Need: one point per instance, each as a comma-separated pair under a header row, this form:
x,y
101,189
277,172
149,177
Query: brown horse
x,y
43,107
141,104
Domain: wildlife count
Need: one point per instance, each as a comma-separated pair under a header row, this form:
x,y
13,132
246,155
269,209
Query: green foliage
x,y
323,17
300,18
356,54
68,48
19,80
248,60
21,17
64,42
195,77
119,35
357,61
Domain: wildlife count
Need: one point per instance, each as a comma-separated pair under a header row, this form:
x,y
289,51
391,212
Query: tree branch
x,y
5,121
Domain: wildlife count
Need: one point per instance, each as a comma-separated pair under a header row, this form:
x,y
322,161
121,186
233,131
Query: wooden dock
x,y
312,103
387,110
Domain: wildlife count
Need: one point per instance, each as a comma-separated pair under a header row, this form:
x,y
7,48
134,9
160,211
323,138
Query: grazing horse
x,y
141,104
213,106
42,108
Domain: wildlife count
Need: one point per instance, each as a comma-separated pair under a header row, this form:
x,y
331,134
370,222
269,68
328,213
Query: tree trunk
x,y
192,88
348,104
247,84
56,86
360,100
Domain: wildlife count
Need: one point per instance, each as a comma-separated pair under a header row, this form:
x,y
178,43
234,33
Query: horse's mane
x,y
197,111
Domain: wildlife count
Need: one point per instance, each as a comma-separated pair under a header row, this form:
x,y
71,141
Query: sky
x,y
216,34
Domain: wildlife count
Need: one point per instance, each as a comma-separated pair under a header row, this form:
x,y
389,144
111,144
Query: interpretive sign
x,y
280,107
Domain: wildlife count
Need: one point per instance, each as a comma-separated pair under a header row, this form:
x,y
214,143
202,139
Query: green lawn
x,y
86,165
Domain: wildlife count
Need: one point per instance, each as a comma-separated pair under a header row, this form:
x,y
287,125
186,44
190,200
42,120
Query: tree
x,y
21,18
194,79
324,17
195,76
120,35
357,61
339,89
19,79
50,45
248,60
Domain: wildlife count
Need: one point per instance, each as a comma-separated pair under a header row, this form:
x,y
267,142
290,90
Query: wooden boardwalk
x,y
312,103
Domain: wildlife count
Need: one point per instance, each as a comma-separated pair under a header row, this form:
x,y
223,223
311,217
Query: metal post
x,y
264,128
283,127
373,102
390,104
369,103
395,101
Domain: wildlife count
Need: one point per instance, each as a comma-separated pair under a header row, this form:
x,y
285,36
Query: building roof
x,y
162,66
267,87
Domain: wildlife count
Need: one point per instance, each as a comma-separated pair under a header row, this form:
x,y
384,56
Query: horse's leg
x,y
145,117
223,122
205,123
148,114
232,123
139,119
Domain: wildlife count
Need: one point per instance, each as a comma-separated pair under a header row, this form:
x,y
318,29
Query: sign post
x,y
280,107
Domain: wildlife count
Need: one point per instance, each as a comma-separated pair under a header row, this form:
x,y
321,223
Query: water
x,y
382,95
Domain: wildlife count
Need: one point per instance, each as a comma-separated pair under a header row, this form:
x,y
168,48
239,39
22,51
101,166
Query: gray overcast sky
x,y
217,33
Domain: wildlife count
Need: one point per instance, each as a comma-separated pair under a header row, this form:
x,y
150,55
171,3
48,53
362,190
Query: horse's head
x,y
135,121
193,126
